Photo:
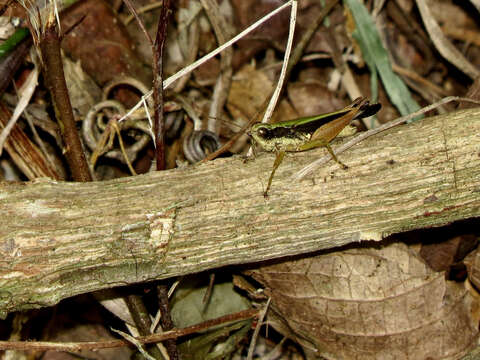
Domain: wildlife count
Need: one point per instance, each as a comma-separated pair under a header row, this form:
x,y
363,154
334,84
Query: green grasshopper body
x,y
308,132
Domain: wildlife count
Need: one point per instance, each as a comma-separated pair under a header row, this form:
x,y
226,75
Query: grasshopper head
x,y
263,135
260,132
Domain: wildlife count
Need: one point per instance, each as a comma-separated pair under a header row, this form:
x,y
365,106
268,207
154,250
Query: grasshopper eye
x,y
263,132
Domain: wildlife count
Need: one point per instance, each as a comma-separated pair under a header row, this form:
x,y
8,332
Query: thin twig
x,y
122,147
159,121
419,79
93,345
136,343
142,10
142,320
139,20
262,315
308,35
159,131
166,320
307,170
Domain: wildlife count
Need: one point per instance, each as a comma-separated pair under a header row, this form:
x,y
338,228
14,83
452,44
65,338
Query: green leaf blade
x,y
378,60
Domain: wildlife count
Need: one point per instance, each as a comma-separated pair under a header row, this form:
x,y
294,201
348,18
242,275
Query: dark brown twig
x,y
159,130
157,49
49,42
135,304
159,121
159,125
92,345
166,320
142,320
208,293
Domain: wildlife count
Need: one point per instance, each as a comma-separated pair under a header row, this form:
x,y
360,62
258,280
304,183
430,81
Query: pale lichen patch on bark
x,y
161,227
36,208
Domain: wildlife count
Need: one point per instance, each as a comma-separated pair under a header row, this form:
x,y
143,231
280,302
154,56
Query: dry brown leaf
x,y
448,12
276,29
441,255
248,92
250,88
84,92
371,304
472,261
313,98
100,43
207,73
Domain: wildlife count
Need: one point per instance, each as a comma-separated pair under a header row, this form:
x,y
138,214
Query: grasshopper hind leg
x,y
334,157
322,143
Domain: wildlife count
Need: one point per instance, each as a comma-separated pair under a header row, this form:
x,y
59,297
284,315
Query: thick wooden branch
x,y
60,239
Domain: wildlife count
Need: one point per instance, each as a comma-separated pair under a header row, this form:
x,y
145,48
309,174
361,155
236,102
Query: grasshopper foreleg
x,y
276,164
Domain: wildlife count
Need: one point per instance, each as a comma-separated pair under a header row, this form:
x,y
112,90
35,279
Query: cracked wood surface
x,y
60,239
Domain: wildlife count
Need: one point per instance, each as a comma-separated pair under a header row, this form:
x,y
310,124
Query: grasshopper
x,y
308,132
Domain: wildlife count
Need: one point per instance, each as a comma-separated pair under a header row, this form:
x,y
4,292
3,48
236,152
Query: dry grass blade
x,y
26,93
278,89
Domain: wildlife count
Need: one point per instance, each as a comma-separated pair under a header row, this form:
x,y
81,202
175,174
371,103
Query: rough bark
x,y
60,239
